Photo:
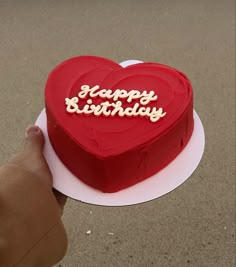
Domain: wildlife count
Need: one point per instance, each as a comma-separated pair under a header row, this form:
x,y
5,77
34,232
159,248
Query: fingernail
x,y
31,130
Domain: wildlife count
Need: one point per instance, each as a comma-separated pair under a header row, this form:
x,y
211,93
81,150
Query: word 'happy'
x,y
115,108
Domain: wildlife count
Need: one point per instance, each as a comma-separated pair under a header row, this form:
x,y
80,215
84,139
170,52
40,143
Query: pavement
x,y
193,225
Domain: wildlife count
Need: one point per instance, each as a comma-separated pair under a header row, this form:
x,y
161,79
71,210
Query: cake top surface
x,y
108,109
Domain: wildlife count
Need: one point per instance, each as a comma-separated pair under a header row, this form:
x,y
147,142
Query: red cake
x,y
114,127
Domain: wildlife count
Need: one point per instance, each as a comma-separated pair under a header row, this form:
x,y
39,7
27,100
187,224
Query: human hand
x,y
31,231
32,160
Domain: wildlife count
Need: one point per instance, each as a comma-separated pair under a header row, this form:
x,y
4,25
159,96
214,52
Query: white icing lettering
x,y
145,97
115,108
118,109
72,104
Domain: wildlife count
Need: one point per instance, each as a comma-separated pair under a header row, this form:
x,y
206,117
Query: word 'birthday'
x,y
115,107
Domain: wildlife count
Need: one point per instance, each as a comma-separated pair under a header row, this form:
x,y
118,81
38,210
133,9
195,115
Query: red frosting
x,y
111,153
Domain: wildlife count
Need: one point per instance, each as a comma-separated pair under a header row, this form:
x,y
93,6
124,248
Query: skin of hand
x,y
30,209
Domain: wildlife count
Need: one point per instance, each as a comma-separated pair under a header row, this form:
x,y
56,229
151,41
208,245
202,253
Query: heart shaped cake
x,y
114,127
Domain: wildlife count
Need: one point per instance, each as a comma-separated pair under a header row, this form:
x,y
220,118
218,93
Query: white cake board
x,y
169,178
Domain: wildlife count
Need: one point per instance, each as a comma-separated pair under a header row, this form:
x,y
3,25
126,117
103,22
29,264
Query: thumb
x,y
31,159
34,140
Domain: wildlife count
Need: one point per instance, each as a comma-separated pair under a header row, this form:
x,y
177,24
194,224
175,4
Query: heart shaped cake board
x,y
169,178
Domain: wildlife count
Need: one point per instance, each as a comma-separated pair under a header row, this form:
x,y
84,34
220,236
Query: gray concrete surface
x,y
195,224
